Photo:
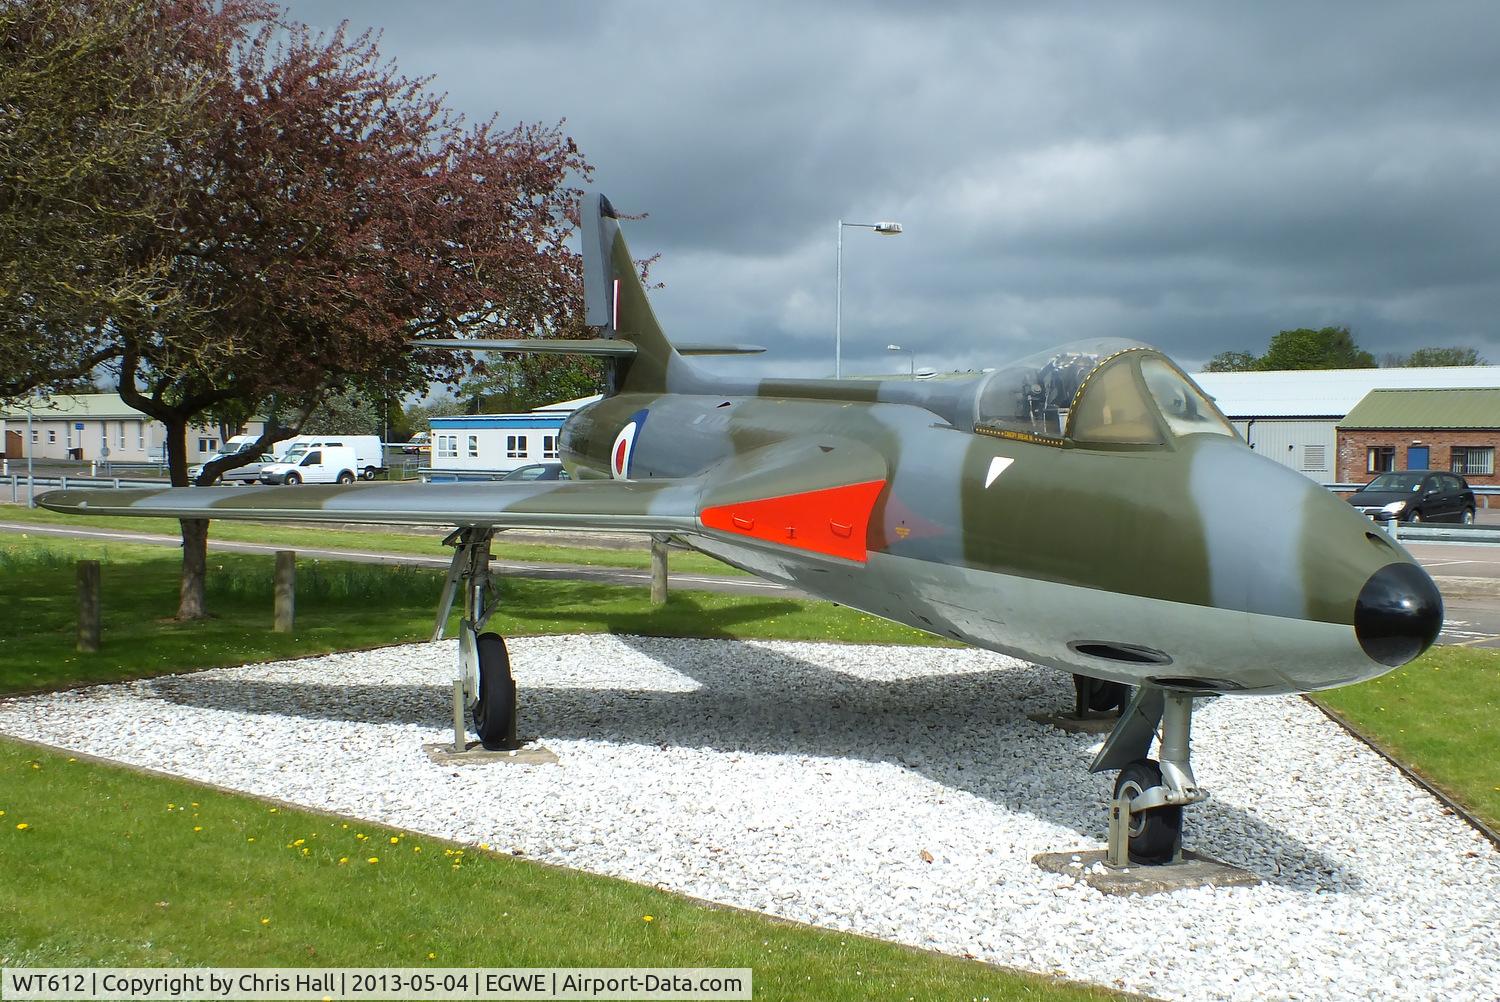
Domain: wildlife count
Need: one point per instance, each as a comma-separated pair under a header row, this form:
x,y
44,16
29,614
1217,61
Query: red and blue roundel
x,y
624,446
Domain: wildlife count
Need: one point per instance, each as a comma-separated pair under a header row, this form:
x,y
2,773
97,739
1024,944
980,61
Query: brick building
x,y
1422,429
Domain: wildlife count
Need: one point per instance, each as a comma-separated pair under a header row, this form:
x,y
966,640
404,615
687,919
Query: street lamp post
x,y
887,229
910,351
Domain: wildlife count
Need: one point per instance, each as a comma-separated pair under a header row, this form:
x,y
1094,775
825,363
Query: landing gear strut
x,y
484,684
1145,824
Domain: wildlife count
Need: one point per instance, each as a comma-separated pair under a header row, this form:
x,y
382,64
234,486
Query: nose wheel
x,y
1145,824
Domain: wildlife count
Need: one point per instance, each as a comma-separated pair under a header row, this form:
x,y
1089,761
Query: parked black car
x,y
1417,496
537,471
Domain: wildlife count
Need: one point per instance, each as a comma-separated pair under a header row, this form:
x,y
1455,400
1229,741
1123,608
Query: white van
x,y
369,456
328,464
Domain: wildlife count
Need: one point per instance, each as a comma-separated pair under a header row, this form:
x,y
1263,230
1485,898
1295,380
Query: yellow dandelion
x,y
195,803
373,859
457,866
36,765
171,807
416,848
22,826
395,839
432,956
2,814
343,860
306,851
197,828
345,827
275,810
299,841
648,918
250,839
360,836
485,846
265,921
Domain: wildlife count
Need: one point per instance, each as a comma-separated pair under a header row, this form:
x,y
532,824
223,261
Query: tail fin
x,y
615,304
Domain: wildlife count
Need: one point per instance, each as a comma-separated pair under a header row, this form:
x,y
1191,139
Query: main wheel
x,y
346,477
494,707
1416,518
368,473
1154,833
294,478
1468,516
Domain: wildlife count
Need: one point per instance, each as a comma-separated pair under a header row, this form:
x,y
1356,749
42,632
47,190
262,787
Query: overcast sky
x,y
1198,178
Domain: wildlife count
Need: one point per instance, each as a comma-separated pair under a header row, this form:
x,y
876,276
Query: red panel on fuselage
x,y
834,520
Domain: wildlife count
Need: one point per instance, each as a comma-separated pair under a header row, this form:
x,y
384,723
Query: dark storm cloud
x,y
1198,178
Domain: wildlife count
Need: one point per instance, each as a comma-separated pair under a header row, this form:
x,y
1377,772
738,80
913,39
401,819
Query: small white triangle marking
x,y
998,465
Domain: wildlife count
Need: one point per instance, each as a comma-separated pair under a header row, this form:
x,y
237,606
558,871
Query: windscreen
x,y
1183,406
1396,482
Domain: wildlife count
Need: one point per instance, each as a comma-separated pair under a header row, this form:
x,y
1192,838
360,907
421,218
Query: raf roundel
x,y
624,446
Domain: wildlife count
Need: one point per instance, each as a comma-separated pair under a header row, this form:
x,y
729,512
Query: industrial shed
x,y
1451,429
1292,416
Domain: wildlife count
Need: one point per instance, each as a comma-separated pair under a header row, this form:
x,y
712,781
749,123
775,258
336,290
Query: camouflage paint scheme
x,y
1187,562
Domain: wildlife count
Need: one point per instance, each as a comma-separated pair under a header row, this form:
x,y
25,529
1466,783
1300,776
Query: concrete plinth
x,y
1103,723
475,753
1195,870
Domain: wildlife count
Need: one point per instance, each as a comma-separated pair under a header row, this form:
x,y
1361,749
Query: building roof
x,y
1329,393
75,405
1427,409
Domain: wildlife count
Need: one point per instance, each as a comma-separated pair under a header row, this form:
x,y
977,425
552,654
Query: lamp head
x,y
888,228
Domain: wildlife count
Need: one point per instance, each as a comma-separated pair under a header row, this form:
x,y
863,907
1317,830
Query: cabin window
x,y
549,446
473,446
1473,460
515,446
1183,406
1380,459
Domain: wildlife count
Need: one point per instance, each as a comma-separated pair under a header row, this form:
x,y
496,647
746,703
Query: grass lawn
x,y
340,606
103,866
427,544
1441,716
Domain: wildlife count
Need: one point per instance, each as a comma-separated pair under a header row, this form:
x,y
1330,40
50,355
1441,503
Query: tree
x,y
346,413
323,212
86,109
1231,361
1324,348
1424,357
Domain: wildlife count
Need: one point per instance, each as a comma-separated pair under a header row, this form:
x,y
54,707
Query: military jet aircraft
x,y
1087,509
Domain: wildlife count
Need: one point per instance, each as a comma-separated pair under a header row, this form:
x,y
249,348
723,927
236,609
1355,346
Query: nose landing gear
x,y
1146,812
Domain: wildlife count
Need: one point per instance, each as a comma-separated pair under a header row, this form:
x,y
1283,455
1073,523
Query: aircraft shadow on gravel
x,y
968,732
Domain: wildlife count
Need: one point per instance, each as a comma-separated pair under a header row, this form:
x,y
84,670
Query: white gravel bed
x,y
808,780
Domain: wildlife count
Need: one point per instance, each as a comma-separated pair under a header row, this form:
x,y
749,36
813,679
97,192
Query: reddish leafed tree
x,y
332,210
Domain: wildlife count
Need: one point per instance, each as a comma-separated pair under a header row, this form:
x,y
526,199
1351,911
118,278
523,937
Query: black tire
x,y
494,708
293,479
1154,833
346,477
368,473
1467,518
1416,518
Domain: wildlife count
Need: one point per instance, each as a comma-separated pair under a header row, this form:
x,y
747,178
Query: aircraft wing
x,y
598,505
815,496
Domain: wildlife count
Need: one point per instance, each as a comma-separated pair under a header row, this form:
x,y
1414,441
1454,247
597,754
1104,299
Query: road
x,y
1468,576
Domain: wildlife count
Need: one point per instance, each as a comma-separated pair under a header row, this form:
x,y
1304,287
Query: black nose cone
x,y
1398,614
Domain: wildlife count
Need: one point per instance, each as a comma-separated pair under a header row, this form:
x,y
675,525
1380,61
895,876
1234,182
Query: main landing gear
x,y
484,684
1145,824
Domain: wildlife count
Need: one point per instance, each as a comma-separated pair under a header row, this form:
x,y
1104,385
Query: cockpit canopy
x,y
1108,391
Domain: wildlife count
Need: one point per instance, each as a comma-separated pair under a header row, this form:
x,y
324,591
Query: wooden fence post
x,y
658,571
286,590
88,606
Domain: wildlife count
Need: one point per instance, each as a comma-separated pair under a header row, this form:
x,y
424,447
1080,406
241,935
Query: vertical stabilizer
x,y
615,302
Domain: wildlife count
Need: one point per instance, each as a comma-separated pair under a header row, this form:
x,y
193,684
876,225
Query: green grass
x,y
340,606
116,868
1440,715
428,544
